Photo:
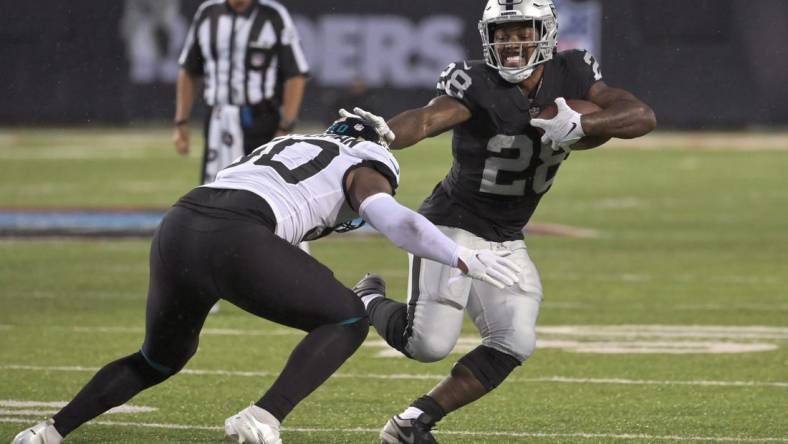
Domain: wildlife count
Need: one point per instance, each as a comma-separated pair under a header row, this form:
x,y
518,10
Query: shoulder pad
x,y
581,62
463,81
455,80
379,157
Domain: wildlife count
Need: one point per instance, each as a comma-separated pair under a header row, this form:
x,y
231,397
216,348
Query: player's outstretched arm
x,y
370,195
441,114
623,115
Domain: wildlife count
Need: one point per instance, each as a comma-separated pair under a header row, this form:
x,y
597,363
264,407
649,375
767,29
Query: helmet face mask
x,y
539,15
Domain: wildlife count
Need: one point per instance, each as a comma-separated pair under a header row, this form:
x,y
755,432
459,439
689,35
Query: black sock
x,y
390,320
433,411
113,385
313,360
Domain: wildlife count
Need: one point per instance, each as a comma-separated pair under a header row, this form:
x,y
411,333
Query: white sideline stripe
x,y
758,307
16,404
27,412
205,331
668,331
442,432
653,382
423,376
616,331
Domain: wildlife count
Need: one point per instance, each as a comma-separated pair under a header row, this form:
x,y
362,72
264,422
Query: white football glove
x,y
378,122
489,266
563,130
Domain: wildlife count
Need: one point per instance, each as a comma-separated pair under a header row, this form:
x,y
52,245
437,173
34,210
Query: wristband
x,y
287,125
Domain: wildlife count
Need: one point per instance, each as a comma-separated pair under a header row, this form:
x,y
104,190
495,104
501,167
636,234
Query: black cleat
x,y
408,431
370,284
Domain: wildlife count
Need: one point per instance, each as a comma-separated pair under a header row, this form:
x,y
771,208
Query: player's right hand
x,y
563,130
180,137
489,266
381,127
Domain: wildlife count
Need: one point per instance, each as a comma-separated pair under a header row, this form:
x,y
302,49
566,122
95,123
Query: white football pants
x,y
438,295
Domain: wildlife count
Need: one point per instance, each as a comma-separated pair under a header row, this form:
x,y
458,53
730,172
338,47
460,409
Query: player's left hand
x,y
381,127
489,266
563,130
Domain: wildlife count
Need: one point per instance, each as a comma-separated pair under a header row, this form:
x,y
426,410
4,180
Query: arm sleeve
x,y
408,230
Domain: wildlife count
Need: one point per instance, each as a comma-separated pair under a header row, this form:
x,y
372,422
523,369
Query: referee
x,y
254,71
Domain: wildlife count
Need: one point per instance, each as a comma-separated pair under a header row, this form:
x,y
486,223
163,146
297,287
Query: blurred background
x,y
701,64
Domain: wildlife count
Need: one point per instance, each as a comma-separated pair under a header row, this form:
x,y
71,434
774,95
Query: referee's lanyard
x,y
246,116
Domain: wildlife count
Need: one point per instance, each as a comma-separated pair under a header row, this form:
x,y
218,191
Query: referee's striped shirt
x,y
244,57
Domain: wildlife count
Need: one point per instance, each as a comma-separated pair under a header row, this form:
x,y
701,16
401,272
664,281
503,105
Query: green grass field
x,y
669,325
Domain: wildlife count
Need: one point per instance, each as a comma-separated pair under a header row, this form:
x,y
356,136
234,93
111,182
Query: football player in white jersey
x,y
237,238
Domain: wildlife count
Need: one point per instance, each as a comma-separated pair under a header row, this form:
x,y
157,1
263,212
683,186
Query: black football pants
x,y
194,261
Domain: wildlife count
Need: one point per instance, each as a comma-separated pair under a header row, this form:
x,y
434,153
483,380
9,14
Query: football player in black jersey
x,y
502,166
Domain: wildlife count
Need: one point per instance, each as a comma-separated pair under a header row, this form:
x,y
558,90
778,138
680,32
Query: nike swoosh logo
x,y
409,438
574,125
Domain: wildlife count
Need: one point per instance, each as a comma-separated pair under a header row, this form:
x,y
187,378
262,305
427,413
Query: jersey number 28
x,y
506,170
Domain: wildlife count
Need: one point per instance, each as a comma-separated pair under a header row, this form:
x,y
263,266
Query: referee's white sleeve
x,y
407,229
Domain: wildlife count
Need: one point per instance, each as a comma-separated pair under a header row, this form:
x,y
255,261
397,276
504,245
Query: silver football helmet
x,y
539,14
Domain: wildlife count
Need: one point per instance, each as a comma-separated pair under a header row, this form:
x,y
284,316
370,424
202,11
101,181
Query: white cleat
x,y
252,425
42,433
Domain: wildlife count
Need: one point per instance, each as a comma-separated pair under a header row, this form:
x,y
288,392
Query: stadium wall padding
x,y
700,64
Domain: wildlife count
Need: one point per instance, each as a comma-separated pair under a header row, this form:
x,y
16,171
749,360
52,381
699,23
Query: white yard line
x,y
14,407
599,339
205,331
613,331
580,435
425,376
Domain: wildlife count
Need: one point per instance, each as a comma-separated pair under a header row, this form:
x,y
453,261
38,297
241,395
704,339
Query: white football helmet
x,y
540,14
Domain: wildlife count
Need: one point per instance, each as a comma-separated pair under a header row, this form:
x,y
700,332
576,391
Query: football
x,y
583,107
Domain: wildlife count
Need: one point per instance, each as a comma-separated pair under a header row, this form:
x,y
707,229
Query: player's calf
x,y
489,366
387,316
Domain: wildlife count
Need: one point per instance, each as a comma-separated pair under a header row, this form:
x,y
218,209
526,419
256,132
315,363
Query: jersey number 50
x,y
266,153
507,168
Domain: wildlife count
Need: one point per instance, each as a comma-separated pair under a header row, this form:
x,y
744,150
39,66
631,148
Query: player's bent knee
x,y
520,346
175,360
150,372
358,325
429,350
489,365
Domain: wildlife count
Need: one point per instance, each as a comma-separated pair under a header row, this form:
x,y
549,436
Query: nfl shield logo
x,y
257,59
